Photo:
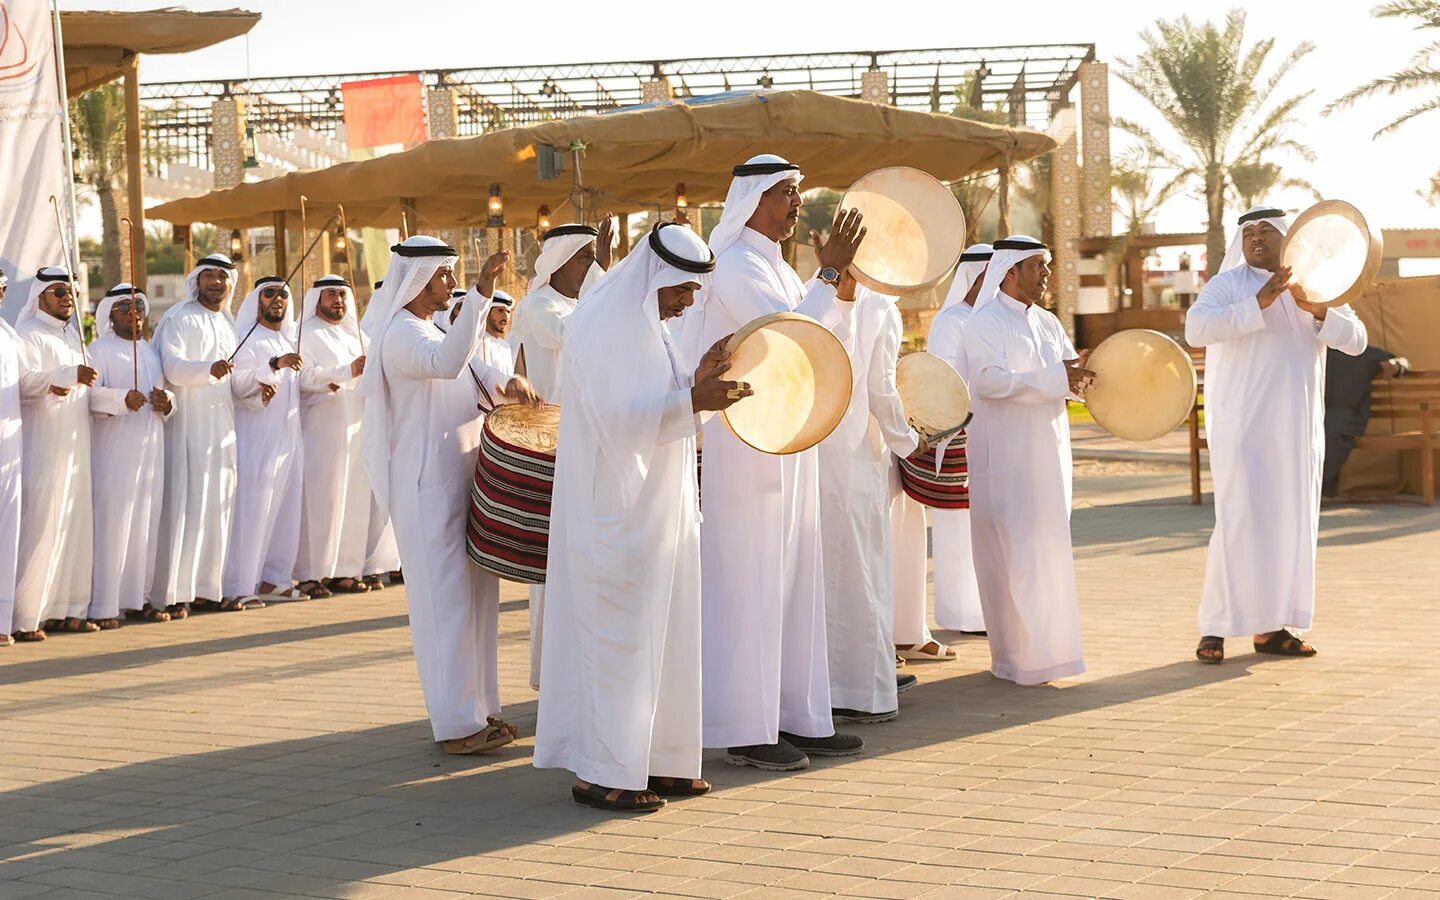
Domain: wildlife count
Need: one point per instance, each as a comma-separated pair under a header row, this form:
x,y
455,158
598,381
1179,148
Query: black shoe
x,y
904,683
976,633
862,717
781,756
835,745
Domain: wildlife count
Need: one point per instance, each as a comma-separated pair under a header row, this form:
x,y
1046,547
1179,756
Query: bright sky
x,y
1382,176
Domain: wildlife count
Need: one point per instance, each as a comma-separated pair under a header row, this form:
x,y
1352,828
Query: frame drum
x,y
1332,252
1144,385
800,373
935,397
915,230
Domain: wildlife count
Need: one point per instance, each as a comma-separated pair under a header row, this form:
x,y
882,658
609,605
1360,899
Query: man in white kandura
x,y
855,515
336,502
421,435
1022,367
767,687
572,258
620,682
10,468
57,536
260,562
1265,349
129,405
495,348
957,593
196,338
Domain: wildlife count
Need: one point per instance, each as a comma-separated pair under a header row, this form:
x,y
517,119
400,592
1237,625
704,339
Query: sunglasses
x,y
60,292
272,293
126,308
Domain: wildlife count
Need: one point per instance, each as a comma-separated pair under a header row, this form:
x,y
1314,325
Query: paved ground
x,y
283,753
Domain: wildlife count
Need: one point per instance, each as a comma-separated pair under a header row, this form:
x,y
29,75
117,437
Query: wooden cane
x,y
134,317
313,242
69,266
350,270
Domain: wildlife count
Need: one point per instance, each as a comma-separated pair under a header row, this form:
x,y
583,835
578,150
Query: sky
x,y
1382,176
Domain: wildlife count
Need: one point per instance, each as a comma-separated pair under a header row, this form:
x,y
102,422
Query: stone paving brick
x,y
285,754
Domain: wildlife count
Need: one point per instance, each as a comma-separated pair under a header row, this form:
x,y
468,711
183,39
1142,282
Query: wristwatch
x,y
274,363
830,276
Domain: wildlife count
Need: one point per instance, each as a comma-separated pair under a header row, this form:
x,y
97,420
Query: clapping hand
x,y
711,392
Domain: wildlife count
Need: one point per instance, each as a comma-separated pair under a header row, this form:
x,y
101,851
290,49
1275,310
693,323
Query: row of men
x,y
139,480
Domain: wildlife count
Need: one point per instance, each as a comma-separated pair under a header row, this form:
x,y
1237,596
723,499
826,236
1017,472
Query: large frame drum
x,y
508,532
1332,253
1144,384
915,230
800,373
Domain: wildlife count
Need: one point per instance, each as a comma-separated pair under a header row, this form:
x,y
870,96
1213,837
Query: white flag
x,y
32,145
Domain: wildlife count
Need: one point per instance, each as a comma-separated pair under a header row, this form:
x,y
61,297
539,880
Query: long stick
x,y
350,270
300,313
313,242
134,317
70,267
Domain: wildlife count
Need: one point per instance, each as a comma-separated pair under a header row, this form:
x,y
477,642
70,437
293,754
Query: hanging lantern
x,y
681,201
496,218
237,245
542,219
341,244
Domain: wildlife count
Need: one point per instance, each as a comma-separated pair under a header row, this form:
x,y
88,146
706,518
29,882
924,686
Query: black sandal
x,y
1212,643
347,585
1285,643
148,614
597,797
178,611
666,786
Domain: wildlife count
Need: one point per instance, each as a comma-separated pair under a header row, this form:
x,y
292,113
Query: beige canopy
x,y
632,161
97,42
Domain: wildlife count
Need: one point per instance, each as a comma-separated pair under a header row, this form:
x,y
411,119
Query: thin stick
x,y
70,266
134,319
300,313
350,270
287,283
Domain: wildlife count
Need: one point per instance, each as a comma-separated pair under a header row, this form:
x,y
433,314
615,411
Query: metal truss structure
x,y
1026,84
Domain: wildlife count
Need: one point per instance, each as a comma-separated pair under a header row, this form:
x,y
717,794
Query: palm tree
x,y
97,126
1420,74
1137,195
1215,95
1253,181
974,193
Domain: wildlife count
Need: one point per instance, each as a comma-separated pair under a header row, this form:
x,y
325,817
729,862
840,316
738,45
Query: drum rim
x,y
969,398
884,287
755,325
1194,377
514,410
1374,255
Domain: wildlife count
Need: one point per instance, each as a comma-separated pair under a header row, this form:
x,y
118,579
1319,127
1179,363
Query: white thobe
x,y
542,334
909,540
957,592
855,515
765,667
269,459
1265,424
56,522
336,506
435,438
199,499
128,460
1019,458
12,353
620,690
496,353
543,337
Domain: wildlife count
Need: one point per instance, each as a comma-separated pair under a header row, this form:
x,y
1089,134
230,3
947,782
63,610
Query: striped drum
x,y
509,524
948,489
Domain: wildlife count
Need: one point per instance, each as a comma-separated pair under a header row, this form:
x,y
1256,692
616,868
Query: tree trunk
x,y
110,237
1215,225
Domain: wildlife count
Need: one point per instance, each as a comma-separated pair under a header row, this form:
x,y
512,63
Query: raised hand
x,y
605,242
490,270
846,235
715,362
1302,301
1278,284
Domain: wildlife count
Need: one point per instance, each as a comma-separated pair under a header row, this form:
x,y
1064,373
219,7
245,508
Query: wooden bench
x,y
1410,403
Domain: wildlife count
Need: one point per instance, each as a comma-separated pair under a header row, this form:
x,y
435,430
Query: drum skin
x,y
1144,384
1332,253
935,397
800,374
508,528
915,230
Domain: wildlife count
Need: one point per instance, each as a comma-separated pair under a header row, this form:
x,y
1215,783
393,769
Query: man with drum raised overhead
x,y
621,674
957,594
855,514
421,430
1265,423
1021,368
767,694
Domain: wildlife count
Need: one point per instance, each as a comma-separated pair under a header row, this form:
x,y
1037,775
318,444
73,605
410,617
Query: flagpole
x,y
72,264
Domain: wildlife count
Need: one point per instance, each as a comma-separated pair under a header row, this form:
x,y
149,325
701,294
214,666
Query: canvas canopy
x,y
632,161
97,42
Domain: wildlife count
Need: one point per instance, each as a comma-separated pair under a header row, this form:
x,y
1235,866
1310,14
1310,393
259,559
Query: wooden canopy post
x,y
282,261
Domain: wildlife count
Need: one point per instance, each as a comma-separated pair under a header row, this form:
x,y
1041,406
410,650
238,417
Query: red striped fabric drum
x,y
509,523
950,489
